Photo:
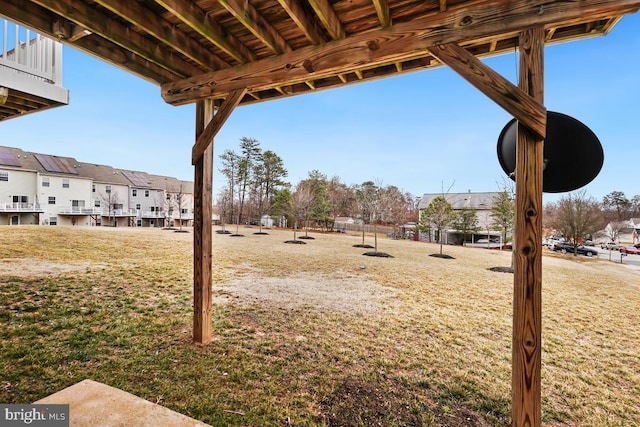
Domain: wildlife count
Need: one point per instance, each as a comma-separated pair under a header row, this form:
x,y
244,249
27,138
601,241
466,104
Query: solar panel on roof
x,y
136,178
7,158
55,164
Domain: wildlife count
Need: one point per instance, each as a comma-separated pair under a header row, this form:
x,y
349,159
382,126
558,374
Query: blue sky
x,y
423,132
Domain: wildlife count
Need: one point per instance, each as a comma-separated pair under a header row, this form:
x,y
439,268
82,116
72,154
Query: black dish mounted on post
x,y
573,154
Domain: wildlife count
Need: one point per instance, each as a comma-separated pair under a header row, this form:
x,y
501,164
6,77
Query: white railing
x,y
154,214
20,207
79,210
29,53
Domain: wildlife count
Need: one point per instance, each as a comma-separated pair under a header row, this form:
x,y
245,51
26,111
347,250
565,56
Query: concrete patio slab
x,y
94,404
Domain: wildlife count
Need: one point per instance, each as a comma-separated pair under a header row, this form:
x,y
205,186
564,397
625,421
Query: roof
x,y
48,164
477,201
206,49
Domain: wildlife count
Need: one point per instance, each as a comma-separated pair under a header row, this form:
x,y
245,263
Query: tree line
x,y
256,186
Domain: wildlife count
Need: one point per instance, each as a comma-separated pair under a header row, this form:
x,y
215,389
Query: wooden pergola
x,y
224,53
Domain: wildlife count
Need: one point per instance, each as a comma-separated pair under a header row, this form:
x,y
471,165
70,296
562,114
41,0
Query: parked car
x,y
629,250
567,248
610,245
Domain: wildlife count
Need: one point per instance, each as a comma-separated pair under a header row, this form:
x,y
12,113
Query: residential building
x,y
46,189
481,203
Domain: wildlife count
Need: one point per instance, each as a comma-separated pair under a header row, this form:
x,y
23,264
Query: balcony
x,y
21,208
82,211
153,214
30,72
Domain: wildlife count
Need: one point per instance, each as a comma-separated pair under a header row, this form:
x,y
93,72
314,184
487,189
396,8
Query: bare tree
x,y
577,215
301,204
112,201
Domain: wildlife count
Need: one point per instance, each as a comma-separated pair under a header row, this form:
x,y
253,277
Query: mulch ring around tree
x,y
362,245
501,269
444,256
378,254
223,232
389,402
296,242
306,237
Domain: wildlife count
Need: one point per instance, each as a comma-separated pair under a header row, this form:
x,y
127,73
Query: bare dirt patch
x,y
32,268
335,292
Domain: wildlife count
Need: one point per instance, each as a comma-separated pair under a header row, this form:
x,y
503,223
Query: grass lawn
x,y
314,334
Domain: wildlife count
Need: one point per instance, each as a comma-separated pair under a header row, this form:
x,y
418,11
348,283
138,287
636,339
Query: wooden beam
x,y
328,17
189,13
527,295
382,10
206,136
82,14
164,31
202,232
249,16
302,19
4,95
387,46
517,102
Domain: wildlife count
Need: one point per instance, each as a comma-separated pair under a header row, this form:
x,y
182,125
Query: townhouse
x,y
46,189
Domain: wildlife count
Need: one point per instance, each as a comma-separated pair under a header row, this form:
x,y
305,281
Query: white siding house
x,y
52,190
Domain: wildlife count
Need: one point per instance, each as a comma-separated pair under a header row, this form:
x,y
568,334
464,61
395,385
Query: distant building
x,y
46,189
481,203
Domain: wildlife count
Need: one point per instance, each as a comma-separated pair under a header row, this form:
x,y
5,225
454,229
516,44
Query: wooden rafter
x,y
117,33
244,12
328,17
382,10
522,106
197,19
303,21
380,47
158,27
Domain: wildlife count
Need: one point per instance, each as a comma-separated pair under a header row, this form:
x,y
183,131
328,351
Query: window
x,y
4,176
65,183
107,189
93,188
153,208
134,192
20,199
168,196
118,206
138,206
52,200
77,203
45,181
53,220
96,203
184,211
146,193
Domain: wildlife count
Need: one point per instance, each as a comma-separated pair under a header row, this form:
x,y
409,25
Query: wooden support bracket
x,y
213,127
516,101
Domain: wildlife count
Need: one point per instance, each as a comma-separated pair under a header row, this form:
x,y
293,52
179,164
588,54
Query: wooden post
x,y
202,225
527,304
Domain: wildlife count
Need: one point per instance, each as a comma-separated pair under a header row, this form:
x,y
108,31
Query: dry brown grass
x,y
312,334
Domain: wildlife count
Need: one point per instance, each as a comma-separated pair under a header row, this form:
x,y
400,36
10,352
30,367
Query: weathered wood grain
x,y
202,226
527,295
